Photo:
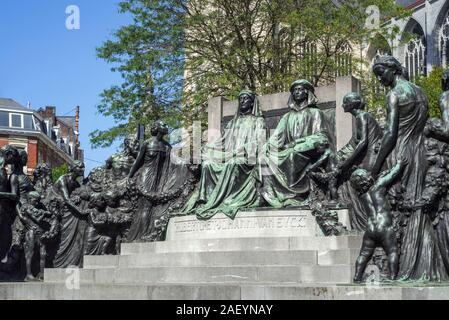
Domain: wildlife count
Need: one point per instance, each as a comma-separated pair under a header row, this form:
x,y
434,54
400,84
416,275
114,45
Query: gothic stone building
x,y
430,23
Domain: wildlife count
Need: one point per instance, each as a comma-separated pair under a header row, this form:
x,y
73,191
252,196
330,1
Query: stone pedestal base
x,y
250,224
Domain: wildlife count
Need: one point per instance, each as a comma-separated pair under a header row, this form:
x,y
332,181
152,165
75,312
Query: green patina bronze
x,y
229,174
291,149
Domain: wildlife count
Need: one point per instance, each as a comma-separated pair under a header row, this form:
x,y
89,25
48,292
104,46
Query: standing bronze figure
x,y
407,108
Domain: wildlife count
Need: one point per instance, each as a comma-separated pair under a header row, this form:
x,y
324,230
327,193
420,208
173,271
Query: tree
x,y
433,89
58,172
178,54
149,54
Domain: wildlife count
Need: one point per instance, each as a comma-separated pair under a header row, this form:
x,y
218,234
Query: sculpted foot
x,y
30,278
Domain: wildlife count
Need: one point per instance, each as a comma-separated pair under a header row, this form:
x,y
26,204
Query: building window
x,y
16,120
343,61
415,54
415,58
444,42
28,122
4,119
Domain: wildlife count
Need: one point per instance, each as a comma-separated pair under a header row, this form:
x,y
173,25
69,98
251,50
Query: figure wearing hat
x,y
292,148
229,171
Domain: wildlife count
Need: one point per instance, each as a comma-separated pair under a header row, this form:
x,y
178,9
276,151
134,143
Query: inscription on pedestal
x,y
276,223
269,222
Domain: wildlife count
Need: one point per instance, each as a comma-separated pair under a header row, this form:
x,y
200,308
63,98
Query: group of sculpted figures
x,y
394,179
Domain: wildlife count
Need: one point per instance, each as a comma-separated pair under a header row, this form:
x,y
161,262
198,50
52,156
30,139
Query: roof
x,y
409,4
69,121
12,105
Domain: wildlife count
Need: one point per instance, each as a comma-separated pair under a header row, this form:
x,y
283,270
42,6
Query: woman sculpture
x,y
73,221
407,108
360,152
18,187
7,203
229,173
290,148
121,163
152,159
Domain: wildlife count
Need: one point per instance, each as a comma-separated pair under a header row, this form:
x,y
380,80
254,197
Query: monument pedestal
x,y
260,255
251,224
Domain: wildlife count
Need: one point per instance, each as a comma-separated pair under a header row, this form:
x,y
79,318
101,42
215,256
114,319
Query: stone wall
x,y
274,106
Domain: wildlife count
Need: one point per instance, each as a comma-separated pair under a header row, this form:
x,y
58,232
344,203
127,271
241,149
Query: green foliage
x,y
149,55
57,172
175,56
433,89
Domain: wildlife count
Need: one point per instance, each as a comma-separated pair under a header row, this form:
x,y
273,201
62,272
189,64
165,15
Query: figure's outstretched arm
x,y
9,196
139,161
362,132
73,208
14,183
64,189
390,135
388,177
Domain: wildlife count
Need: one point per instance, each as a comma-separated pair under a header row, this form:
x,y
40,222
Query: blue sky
x,y
44,63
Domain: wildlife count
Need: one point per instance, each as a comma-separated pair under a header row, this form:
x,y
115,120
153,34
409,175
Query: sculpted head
x,y
159,128
97,200
386,68
302,95
77,168
246,102
23,157
33,198
353,101
11,154
445,80
300,90
42,170
131,144
361,180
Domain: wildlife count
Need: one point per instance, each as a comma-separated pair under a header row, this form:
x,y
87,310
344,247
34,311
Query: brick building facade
x,y
44,136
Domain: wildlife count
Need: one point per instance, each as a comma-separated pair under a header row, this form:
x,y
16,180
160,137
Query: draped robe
x,y
229,174
287,155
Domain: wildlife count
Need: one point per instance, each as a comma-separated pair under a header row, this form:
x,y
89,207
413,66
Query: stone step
x,y
224,258
245,244
233,274
59,291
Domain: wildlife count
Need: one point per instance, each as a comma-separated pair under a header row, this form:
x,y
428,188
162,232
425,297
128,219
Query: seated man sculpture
x,y
229,173
289,150
379,231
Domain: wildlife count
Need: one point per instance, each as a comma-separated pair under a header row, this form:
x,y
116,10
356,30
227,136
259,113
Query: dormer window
x,y
4,119
16,120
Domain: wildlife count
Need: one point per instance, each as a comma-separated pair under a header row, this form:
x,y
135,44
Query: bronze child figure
x,y
379,231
